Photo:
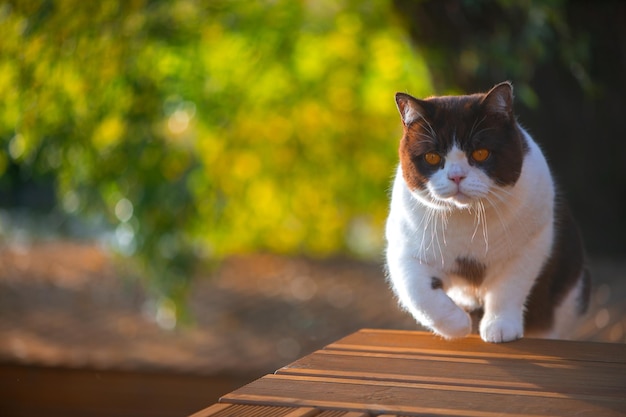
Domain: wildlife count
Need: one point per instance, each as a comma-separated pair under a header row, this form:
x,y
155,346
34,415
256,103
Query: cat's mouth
x,y
461,196
460,199
456,197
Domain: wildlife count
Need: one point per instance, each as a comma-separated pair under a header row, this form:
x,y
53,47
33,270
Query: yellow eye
x,y
480,155
432,158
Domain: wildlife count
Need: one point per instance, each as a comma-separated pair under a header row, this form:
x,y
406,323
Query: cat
x,y
475,224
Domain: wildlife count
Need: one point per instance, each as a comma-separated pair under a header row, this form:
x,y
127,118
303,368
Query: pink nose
x,y
457,178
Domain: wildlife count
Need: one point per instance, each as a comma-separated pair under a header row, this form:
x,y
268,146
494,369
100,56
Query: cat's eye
x,y
480,155
432,158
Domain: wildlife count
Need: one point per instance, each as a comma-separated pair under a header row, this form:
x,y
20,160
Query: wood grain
x,y
548,376
380,397
398,341
244,410
384,372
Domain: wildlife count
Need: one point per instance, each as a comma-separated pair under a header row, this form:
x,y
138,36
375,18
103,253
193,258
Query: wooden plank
x,y
410,342
212,411
304,412
250,410
573,377
418,399
415,373
247,410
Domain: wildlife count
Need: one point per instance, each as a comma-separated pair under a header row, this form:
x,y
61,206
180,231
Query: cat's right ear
x,y
410,108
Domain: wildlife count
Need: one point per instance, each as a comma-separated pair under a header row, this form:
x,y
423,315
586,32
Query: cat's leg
x,y
419,288
503,320
507,290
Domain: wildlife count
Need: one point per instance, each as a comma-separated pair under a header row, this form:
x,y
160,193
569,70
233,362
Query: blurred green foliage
x,y
202,129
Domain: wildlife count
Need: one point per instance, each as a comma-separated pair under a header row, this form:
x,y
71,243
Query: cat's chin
x,y
452,197
434,201
451,203
459,201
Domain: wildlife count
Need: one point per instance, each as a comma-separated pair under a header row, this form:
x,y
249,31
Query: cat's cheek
x,y
501,329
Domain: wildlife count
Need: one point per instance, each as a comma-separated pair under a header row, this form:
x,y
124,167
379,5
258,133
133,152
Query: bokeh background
x,y
199,188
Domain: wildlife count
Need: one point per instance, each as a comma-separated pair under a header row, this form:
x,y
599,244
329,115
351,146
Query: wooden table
x,y
402,373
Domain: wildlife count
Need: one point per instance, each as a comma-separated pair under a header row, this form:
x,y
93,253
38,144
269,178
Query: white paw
x,y
501,329
456,324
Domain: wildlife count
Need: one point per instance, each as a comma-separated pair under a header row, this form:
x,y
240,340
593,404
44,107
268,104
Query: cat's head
x,y
457,150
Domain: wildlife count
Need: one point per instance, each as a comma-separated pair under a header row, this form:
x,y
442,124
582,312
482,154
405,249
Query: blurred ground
x,y
62,304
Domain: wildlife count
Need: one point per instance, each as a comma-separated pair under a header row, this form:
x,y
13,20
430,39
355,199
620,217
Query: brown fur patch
x,y
436,283
559,275
470,269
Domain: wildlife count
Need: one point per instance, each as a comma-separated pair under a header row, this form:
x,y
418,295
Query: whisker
x,y
499,198
485,230
444,216
476,125
476,222
502,191
506,200
428,138
505,228
427,218
431,241
430,128
436,234
484,130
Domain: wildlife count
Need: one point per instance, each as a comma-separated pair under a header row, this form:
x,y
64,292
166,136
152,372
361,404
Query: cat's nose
x,y
456,178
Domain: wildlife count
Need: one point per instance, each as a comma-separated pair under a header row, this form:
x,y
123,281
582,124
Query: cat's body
x,y
475,224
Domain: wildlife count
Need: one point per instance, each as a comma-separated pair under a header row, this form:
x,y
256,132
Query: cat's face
x,y
459,149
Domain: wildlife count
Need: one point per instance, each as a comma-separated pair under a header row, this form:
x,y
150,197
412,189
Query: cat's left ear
x,y
500,99
410,108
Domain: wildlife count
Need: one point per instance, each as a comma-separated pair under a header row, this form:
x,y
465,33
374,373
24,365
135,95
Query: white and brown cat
x,y
475,224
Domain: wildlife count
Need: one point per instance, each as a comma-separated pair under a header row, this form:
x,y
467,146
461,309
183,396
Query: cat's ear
x,y
410,108
500,99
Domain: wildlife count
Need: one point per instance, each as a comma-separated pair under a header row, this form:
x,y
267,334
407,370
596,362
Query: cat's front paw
x,y
501,329
456,324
